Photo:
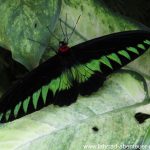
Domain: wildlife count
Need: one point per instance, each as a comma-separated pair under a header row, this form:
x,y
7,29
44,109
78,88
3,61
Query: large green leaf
x,y
24,19
146,141
135,9
21,20
96,20
141,65
111,110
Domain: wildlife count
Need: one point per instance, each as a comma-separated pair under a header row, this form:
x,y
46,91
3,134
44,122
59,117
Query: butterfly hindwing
x,y
88,77
66,91
26,95
60,91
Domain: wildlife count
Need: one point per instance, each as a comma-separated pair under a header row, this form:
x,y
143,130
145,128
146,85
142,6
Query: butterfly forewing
x,y
113,51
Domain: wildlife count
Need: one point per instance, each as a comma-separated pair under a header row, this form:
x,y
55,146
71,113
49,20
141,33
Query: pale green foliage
x,y
111,109
146,141
22,20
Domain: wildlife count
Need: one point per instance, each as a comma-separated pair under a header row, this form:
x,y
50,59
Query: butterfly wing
x,y
47,84
102,56
55,83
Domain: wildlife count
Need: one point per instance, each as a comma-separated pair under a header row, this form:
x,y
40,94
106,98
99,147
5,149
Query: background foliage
x,y
111,109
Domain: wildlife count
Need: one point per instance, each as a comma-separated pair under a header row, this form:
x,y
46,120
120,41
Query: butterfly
x,y
80,69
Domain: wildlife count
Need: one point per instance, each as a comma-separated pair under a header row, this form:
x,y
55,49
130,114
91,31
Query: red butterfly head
x,y
63,47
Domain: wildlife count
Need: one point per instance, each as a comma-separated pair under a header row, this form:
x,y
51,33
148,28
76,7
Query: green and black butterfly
x,y
80,69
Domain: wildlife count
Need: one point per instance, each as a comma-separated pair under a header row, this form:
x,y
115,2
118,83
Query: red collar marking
x,y
63,48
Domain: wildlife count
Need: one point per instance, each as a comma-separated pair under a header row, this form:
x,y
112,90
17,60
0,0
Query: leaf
x,y
146,141
96,20
134,9
24,20
141,65
111,110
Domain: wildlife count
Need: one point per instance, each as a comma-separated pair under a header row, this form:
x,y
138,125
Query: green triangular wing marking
x,y
44,92
54,85
147,42
133,49
61,83
35,98
17,108
73,71
105,61
82,74
141,46
115,58
1,115
94,65
26,104
7,115
125,54
64,82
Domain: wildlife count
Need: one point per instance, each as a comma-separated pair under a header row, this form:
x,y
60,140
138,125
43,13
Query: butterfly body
x,y
63,47
80,69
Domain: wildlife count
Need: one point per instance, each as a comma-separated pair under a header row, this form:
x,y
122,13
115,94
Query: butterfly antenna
x,y
53,34
43,44
66,28
74,28
37,42
62,29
